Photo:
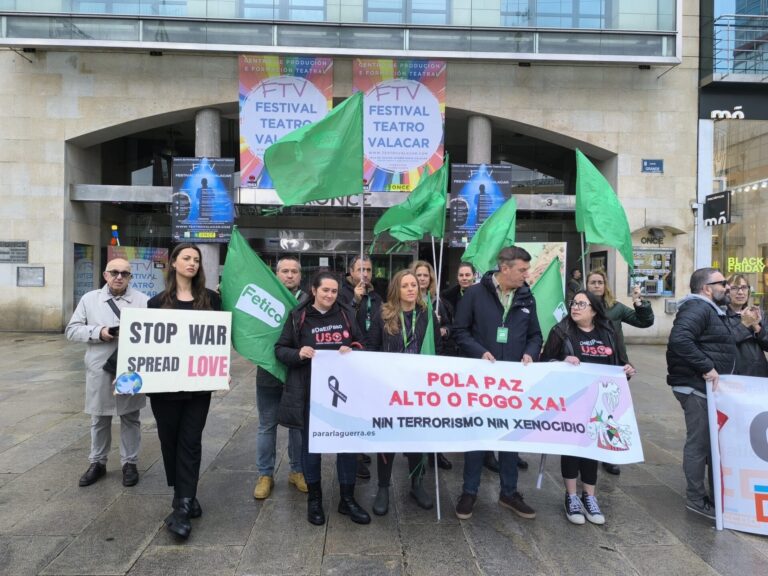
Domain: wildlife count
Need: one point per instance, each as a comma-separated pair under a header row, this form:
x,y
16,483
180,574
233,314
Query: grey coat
x,y
91,315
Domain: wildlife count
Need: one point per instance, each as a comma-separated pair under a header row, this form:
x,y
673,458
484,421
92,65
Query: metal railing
x,y
740,46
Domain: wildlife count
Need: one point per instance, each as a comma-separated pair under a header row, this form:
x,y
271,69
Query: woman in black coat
x,y
321,323
748,330
585,335
181,416
401,326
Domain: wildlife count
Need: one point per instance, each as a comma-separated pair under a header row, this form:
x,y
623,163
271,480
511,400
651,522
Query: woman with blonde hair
x,y
401,326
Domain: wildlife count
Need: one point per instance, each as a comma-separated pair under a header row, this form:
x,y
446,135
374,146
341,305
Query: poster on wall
x,y
83,271
542,254
404,117
148,266
202,207
477,191
278,94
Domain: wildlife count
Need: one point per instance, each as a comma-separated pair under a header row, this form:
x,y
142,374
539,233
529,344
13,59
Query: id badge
x,y
502,334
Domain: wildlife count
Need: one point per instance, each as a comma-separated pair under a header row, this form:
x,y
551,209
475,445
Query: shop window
x,y
297,10
426,12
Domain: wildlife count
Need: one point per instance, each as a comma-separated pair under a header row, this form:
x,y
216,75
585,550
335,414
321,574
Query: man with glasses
x,y
496,320
96,322
701,347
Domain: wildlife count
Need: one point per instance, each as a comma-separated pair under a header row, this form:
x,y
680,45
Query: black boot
x,y
315,513
349,507
195,510
381,502
418,493
178,521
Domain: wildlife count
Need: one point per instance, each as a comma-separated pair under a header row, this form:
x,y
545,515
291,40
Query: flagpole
x,y
362,225
437,309
583,261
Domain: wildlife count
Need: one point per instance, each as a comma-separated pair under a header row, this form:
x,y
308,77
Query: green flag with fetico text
x,y
321,160
550,302
599,214
259,303
495,233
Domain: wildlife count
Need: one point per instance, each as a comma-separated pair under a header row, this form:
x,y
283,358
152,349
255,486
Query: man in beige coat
x,y
91,324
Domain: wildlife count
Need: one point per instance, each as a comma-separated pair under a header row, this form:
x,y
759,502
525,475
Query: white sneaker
x,y
592,509
573,509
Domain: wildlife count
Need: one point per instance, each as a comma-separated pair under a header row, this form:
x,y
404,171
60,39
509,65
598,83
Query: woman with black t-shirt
x,y
321,323
401,326
181,416
585,335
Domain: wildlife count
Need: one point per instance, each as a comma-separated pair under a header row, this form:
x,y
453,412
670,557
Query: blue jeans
x,y
473,468
267,402
346,464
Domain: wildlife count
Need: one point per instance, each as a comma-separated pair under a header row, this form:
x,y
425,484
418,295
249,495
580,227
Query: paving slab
x,y
354,565
187,559
25,555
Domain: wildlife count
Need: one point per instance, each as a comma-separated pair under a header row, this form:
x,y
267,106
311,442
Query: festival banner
x,y
738,429
404,120
278,94
202,206
165,350
441,404
148,266
477,191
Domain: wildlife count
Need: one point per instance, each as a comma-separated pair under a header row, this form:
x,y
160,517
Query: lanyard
x,y
413,329
368,313
507,306
298,294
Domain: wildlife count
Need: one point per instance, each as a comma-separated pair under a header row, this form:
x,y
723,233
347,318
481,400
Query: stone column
x,y
479,140
208,144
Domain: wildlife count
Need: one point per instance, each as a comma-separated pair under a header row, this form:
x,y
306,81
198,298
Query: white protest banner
x,y
382,402
162,350
738,429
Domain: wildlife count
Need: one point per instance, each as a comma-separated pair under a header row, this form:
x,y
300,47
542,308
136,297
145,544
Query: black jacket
x,y
297,333
480,315
379,340
701,339
347,296
750,347
263,378
559,344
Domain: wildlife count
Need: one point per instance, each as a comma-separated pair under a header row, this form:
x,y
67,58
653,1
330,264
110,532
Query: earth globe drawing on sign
x,y
128,383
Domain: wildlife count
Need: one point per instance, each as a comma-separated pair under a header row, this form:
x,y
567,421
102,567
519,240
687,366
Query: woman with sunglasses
x,y
320,323
585,335
747,327
181,416
401,326
639,316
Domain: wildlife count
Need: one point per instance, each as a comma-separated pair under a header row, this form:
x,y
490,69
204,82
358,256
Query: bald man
x,y
94,322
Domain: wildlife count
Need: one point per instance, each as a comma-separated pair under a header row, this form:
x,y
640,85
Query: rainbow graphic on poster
x,y
278,94
404,120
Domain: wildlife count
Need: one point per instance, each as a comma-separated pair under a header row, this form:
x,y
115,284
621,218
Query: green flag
x,y
548,292
259,303
495,233
423,212
428,344
320,160
599,214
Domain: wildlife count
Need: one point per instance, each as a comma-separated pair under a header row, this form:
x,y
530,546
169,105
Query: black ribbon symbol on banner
x,y
333,384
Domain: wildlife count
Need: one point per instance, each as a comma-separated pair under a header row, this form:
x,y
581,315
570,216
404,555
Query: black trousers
x,y
180,423
384,464
571,467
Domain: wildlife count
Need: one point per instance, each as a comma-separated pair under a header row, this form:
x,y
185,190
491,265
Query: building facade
x,y
99,95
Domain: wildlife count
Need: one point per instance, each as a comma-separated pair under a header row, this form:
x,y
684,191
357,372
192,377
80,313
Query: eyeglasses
x,y
742,288
121,273
722,283
579,305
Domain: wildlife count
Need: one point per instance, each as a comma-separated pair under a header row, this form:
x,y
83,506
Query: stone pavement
x,y
48,525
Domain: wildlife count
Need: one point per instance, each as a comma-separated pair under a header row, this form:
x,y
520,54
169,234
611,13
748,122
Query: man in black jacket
x,y
700,348
496,320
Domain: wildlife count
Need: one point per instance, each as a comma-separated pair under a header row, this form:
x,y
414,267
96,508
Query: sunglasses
x,y
121,273
722,283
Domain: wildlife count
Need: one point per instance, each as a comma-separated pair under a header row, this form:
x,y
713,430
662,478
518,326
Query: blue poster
x,y
202,207
477,191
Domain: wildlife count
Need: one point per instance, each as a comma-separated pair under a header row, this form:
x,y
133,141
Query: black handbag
x,y
110,366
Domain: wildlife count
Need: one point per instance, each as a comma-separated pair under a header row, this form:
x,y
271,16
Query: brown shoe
x,y
516,503
263,487
465,505
297,479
